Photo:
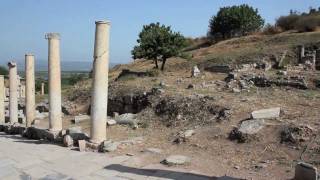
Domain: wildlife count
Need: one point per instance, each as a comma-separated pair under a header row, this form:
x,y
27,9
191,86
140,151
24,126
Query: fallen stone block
x,y
247,131
82,145
266,113
67,141
305,171
176,160
109,146
111,122
80,118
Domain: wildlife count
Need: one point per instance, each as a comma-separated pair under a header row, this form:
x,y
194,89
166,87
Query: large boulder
x,y
247,131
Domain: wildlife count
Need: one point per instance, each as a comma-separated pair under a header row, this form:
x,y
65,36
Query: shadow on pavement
x,y
175,175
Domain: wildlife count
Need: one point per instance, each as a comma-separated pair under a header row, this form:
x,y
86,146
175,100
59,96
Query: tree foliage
x,y
235,21
3,70
158,42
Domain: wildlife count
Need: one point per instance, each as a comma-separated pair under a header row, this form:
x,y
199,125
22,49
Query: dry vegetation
x,y
210,149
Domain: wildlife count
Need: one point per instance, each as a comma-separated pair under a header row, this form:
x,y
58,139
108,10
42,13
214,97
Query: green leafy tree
x,y
3,70
235,21
158,42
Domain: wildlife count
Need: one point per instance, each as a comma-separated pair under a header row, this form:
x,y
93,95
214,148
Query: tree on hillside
x,y
158,42
235,21
3,70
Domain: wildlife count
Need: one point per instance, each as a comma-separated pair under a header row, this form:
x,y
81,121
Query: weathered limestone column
x,y
13,92
301,53
99,97
30,89
2,97
42,89
314,59
55,121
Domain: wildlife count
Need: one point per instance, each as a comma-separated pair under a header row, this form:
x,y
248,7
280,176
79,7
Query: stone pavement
x,y
30,159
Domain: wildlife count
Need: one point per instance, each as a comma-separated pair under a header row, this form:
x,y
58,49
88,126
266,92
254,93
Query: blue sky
x,y
25,22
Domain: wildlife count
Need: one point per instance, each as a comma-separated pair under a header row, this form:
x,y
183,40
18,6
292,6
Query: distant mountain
x,y
65,65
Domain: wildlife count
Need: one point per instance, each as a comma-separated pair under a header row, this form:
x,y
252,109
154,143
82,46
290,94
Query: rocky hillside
x,y
250,105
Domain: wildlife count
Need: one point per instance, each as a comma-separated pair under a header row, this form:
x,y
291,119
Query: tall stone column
x,y
99,96
30,89
13,92
55,121
2,97
42,89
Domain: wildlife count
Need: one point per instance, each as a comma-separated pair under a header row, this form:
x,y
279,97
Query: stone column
x,y
42,89
30,89
13,92
99,96
318,59
55,121
301,53
2,97
314,56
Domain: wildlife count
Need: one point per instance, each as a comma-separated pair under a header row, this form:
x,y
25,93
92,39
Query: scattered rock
x,y
109,146
190,86
236,90
130,154
115,114
176,160
80,118
195,71
266,113
127,119
67,141
296,134
184,136
251,126
305,171
283,73
236,167
82,145
75,129
153,150
111,122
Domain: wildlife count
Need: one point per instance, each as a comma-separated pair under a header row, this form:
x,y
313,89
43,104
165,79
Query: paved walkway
x,y
28,159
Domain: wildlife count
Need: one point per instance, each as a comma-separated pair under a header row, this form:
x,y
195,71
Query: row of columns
x,y
99,96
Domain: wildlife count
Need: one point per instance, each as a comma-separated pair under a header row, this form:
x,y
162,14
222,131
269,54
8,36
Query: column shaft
x,y
2,96
13,92
30,89
99,97
55,121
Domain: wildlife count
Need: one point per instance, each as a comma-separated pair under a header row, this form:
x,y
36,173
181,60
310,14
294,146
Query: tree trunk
x,y
163,63
156,62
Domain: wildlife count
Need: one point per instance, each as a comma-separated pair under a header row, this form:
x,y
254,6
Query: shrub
x,y
271,29
3,70
308,23
235,21
287,22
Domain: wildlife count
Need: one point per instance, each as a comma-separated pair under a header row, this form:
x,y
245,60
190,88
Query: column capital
x,y
52,36
103,22
12,64
29,54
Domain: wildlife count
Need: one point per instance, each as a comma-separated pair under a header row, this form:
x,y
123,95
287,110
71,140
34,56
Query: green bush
x,y
287,22
3,70
303,22
235,21
158,42
308,23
